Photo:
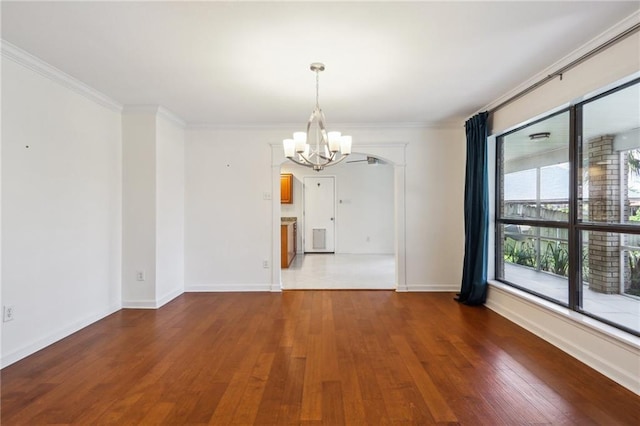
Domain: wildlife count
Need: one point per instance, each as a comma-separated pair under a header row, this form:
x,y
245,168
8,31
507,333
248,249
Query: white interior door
x,y
319,214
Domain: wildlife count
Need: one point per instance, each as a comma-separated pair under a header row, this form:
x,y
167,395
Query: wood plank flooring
x,y
309,358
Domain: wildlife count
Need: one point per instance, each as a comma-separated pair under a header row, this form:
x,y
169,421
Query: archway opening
x,y
363,249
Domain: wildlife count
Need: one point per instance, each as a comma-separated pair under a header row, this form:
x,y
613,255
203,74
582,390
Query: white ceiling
x,y
613,114
241,63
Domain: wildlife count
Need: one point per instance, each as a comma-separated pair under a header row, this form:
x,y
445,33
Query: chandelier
x,y
326,148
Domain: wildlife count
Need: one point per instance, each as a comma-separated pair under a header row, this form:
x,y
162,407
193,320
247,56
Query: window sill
x,y
585,322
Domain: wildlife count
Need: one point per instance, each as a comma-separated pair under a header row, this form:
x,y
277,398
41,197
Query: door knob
x,y
331,218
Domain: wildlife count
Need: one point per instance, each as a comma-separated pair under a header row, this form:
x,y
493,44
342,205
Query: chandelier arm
x,y
329,158
311,117
299,162
321,126
334,162
306,160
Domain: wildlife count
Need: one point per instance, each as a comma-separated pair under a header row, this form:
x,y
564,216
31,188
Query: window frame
x,y
574,225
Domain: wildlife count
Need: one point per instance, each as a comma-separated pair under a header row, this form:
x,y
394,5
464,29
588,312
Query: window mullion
x,y
575,246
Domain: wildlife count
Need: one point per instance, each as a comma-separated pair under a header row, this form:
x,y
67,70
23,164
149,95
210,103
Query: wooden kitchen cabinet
x,y
286,188
288,237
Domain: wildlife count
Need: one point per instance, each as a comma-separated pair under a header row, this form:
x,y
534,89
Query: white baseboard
x,y
433,287
610,351
60,334
343,287
151,303
169,297
229,288
139,304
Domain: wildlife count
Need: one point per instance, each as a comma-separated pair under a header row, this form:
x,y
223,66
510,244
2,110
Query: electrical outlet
x,y
265,264
7,313
140,276
266,195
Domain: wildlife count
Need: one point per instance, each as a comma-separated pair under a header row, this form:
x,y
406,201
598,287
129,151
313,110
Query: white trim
x,y
606,88
567,105
171,116
610,351
139,304
372,145
539,117
169,297
276,253
433,288
447,124
141,109
54,337
395,153
604,37
400,220
157,110
386,287
150,303
287,126
228,288
27,60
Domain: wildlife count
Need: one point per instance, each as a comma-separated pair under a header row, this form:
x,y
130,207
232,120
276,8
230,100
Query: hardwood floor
x,y
309,357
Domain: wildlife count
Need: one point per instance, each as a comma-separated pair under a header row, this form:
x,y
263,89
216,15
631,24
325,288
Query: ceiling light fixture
x,y
329,148
541,135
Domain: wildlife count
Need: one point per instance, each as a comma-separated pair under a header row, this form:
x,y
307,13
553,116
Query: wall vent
x,y
319,239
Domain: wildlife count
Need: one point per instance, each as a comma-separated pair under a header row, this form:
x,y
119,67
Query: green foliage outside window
x,y
519,252
556,259
634,266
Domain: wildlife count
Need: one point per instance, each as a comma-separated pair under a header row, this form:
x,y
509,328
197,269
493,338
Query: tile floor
x,y
340,272
617,308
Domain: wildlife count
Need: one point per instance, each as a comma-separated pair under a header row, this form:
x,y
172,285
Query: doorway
x,y
394,155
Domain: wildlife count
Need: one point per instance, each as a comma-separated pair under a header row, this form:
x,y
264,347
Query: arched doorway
x,y
392,153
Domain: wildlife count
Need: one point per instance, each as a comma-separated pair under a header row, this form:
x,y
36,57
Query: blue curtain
x,y
476,213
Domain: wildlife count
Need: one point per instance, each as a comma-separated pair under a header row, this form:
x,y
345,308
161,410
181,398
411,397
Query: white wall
x,y
228,221
61,201
153,206
139,207
227,218
611,65
170,209
435,210
364,205
612,352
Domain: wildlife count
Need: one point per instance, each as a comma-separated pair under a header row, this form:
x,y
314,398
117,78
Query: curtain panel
x,y
476,213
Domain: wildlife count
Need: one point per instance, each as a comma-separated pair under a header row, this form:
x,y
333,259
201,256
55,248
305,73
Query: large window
x,y
568,207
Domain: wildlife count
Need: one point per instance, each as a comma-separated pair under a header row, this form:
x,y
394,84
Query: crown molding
x,y
171,116
213,126
403,125
27,60
361,144
594,43
157,110
141,109
288,126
